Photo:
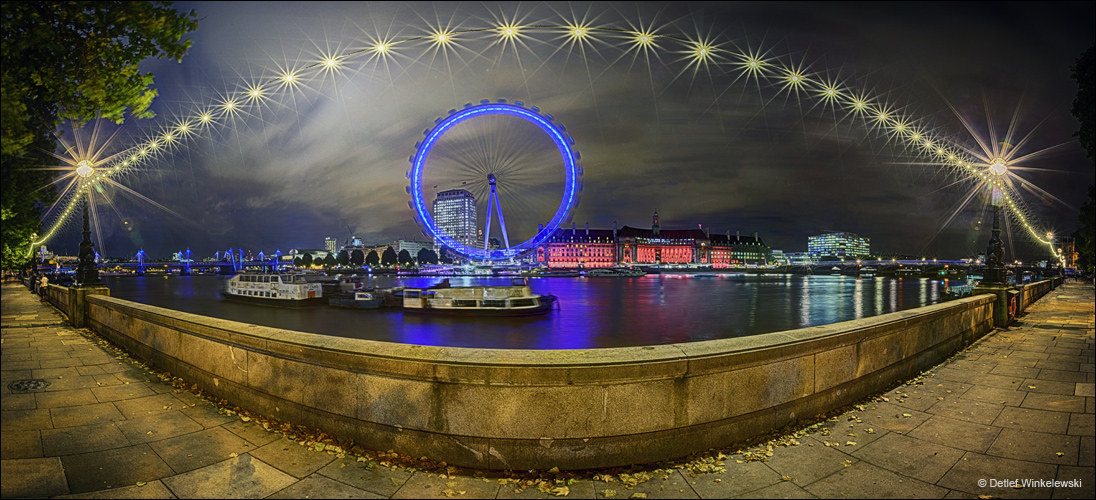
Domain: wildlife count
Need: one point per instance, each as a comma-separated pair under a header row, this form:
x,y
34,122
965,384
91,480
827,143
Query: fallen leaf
x,y
850,443
141,483
233,455
608,493
1060,454
562,491
638,495
847,463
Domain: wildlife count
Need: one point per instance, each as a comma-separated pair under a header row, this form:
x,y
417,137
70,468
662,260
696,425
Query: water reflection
x,y
595,312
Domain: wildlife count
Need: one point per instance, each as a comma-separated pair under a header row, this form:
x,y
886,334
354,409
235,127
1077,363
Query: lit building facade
x,y
589,248
578,249
844,245
735,251
455,215
656,246
331,244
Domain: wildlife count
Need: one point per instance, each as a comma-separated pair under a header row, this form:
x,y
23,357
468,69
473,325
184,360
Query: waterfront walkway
x,y
1016,405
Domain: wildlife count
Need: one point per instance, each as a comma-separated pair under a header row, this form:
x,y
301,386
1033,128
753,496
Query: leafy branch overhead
x,y
79,61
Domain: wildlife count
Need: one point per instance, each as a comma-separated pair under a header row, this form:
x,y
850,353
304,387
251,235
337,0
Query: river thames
x,y
593,312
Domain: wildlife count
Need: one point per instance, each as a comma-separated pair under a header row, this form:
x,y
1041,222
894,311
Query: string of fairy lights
x,y
988,167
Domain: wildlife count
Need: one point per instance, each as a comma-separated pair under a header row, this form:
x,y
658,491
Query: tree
x,y
1084,104
427,256
78,61
372,259
330,261
388,258
297,262
1084,237
404,258
70,61
357,258
306,261
344,258
1084,109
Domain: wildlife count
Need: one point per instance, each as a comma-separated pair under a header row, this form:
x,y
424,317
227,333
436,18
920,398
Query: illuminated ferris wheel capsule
x,y
571,186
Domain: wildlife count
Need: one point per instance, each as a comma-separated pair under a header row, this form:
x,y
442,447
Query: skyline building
x,y
838,244
455,215
331,244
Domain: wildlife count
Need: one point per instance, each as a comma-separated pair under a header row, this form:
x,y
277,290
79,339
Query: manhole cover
x,y
28,385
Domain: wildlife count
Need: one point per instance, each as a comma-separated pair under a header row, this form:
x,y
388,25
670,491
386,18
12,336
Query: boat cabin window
x,y
494,303
464,303
522,303
411,294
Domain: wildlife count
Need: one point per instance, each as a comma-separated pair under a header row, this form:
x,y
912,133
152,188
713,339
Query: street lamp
x,y
994,273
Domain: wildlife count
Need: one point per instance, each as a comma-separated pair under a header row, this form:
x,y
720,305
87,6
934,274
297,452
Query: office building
x,y
455,215
839,245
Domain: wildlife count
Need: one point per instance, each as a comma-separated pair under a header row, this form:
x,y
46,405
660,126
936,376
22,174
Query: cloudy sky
x,y
703,144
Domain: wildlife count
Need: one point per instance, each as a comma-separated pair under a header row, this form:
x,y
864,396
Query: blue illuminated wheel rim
x,y
564,143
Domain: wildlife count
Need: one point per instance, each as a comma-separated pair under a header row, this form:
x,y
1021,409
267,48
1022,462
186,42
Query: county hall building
x,y
589,248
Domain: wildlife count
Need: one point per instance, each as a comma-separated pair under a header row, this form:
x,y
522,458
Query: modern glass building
x,y
455,214
838,245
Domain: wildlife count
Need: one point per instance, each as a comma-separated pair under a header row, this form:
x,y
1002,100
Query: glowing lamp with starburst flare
x,y
84,169
998,167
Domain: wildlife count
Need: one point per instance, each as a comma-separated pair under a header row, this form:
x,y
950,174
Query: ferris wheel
x,y
499,156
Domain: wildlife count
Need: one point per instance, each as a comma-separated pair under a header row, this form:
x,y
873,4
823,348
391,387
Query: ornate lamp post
x,y
994,273
87,273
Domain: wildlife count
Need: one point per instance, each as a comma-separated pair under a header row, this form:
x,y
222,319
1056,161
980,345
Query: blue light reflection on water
x,y
594,312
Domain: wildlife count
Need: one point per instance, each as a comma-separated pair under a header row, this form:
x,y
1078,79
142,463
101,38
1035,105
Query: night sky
x,y
701,145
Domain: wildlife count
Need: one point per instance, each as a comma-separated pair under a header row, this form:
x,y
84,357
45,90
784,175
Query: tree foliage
x,y
1084,104
388,258
78,61
306,261
344,258
1085,237
1084,109
404,258
427,256
358,258
70,61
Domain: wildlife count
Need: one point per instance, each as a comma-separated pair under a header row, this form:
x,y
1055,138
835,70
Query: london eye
x,y
513,160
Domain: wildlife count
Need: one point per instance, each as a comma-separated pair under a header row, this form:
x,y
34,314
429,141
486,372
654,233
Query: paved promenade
x,y
1017,405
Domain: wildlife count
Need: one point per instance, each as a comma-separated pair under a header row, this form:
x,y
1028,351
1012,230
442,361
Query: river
x,y
593,313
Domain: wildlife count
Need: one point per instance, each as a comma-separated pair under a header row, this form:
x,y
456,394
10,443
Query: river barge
x,y
517,299
276,290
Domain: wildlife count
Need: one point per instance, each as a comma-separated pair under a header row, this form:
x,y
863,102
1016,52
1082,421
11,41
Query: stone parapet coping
x,y
520,409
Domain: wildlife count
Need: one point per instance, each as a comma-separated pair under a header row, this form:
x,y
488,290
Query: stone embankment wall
x,y
1034,291
521,409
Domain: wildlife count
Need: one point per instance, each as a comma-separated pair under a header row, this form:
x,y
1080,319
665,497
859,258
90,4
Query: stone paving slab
x,y
1017,404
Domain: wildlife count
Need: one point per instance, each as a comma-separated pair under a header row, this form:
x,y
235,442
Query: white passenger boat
x,y
517,299
269,289
615,272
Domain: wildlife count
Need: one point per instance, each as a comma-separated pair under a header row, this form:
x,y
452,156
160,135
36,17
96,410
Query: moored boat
x,y
269,289
615,272
357,300
517,299
547,273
